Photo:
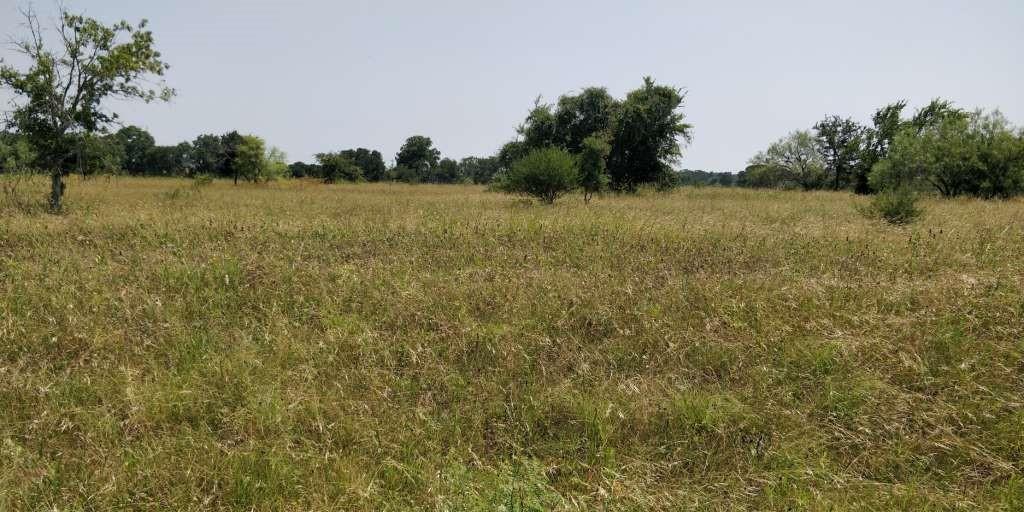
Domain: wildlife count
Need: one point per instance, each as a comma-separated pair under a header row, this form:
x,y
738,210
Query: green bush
x,y
896,206
546,174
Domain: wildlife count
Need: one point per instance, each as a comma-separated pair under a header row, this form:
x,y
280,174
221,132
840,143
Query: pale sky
x,y
319,75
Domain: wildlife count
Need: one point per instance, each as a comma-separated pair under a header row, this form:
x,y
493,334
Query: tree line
x,y
941,148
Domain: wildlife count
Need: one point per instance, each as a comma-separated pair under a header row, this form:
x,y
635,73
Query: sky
x,y
317,75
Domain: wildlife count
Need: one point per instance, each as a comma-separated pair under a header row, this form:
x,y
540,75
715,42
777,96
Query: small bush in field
x,y
546,174
202,180
896,206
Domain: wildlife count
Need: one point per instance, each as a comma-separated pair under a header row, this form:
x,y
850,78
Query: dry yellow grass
x,y
297,346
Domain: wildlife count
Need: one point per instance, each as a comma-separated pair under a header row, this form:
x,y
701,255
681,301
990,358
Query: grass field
x,y
298,346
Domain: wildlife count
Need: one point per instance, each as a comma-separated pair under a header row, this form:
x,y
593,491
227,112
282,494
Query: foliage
x,y
793,160
276,164
545,174
895,206
209,154
587,114
338,167
370,163
417,157
16,153
698,177
643,131
304,170
250,159
977,154
839,140
136,143
645,136
593,172
766,175
63,90
479,170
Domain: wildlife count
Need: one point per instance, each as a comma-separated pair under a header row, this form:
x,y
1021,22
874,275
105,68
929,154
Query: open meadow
x,y
297,346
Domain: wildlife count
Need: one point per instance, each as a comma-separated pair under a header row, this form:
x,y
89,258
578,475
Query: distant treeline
x,y
133,151
941,148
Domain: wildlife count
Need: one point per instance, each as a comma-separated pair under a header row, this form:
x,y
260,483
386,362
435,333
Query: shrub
x,y
202,180
546,174
896,206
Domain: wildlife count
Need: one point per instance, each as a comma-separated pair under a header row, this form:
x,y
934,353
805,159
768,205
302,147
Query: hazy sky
x,y
319,75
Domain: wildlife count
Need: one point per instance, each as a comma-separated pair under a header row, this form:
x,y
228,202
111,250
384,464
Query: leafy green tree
x,y
479,170
97,154
839,141
546,174
973,154
416,158
446,171
276,164
170,160
231,142
593,172
645,136
250,158
886,124
795,161
208,154
136,143
765,175
338,167
62,91
539,130
934,113
304,170
587,114
370,162
511,153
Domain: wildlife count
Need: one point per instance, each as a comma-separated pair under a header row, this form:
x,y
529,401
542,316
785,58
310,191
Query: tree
x,y
934,113
796,156
593,172
839,141
479,170
276,164
539,130
304,170
446,171
886,123
169,160
416,157
972,154
250,158
208,154
645,136
589,113
135,143
546,174
370,162
337,166
765,175
62,92
231,142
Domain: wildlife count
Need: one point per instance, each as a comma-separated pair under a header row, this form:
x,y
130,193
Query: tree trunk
x,y
56,191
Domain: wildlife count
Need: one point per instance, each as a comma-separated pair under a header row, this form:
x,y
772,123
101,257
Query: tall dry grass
x,y
296,346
